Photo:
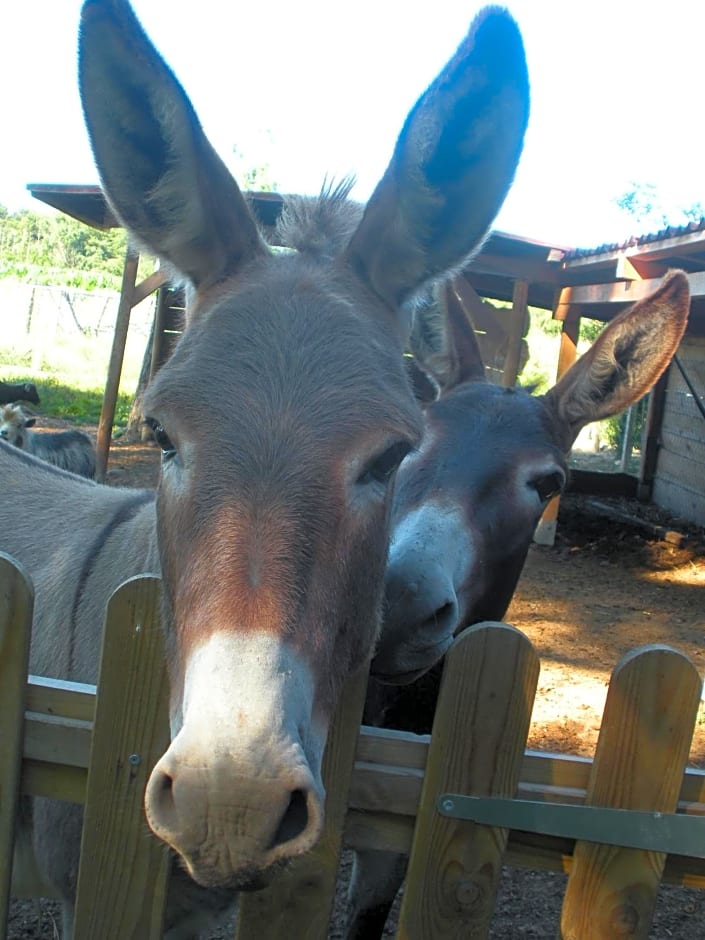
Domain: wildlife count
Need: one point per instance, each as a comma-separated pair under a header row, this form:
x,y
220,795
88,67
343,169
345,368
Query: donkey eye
x,y
548,486
161,437
382,467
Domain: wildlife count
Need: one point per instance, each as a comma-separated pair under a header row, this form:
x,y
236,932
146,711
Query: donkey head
x,y
274,495
466,503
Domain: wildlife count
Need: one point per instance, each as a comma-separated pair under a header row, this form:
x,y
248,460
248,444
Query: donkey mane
x,y
320,226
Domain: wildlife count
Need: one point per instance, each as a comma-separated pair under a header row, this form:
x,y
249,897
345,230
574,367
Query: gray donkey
x,y
71,450
271,519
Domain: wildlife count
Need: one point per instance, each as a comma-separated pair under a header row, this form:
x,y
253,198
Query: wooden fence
x,y
386,790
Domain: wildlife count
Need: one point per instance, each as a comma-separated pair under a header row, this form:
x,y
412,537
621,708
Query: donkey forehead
x,y
290,346
498,418
477,435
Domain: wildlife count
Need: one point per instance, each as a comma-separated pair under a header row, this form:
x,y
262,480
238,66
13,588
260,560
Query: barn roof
x,y
599,280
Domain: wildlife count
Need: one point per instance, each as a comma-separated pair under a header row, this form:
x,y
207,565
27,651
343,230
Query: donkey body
x,y
70,450
466,505
270,523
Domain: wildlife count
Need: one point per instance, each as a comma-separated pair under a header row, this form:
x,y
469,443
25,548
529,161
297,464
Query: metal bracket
x,y
673,833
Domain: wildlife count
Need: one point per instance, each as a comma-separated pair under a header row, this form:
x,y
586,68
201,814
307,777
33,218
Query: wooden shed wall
x,y
679,485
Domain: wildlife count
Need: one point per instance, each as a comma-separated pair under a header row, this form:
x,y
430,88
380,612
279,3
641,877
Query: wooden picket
x,y
642,750
16,602
479,734
382,786
122,877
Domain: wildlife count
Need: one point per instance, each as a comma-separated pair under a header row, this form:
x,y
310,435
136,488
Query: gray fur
x,y
70,450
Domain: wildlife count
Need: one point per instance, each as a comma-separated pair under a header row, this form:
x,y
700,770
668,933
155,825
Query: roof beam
x,y
628,292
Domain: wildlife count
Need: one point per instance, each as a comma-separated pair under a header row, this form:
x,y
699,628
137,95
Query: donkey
x,y
466,504
25,391
71,450
270,522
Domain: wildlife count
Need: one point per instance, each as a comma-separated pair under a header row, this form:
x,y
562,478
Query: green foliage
x,y
253,177
60,250
542,338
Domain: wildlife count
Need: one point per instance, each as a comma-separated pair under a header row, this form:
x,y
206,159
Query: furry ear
x,y
443,340
452,165
159,172
463,349
426,389
29,422
626,359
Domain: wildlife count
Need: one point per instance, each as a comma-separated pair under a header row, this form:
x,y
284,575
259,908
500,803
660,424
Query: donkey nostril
x,y
445,614
159,798
294,821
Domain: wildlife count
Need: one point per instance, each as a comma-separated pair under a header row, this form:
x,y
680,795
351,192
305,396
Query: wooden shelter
x,y
521,272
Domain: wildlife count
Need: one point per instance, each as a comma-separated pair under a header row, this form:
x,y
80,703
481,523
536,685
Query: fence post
x,y
477,747
647,727
16,603
123,870
298,903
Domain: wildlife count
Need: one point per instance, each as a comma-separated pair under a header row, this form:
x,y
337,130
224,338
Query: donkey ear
x,y
464,354
451,167
426,389
625,361
159,172
443,340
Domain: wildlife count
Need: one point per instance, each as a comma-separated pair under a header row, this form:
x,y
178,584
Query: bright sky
x,y
319,86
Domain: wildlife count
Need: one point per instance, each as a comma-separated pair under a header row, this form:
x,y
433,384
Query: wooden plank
x,y
55,781
61,697
123,870
515,333
684,436
680,468
146,287
681,402
647,728
57,740
680,500
299,902
16,604
630,291
117,354
477,744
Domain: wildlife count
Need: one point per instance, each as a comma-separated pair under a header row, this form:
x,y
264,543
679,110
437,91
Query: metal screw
x,y
448,806
138,628
135,759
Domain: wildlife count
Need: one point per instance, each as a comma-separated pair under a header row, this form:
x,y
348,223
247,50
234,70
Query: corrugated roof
x,y
671,231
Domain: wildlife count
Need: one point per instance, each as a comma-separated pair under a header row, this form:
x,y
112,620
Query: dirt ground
x,y
602,590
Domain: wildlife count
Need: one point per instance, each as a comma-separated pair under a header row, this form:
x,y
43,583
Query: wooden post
x,y
165,325
647,727
545,533
627,439
16,603
122,876
652,435
516,333
477,747
298,903
117,354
